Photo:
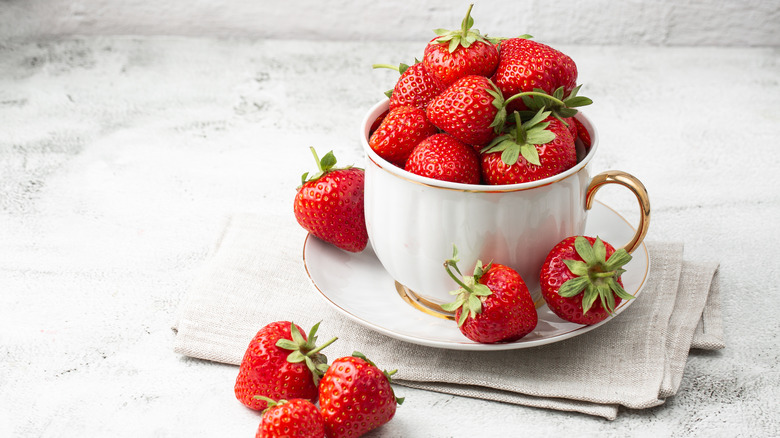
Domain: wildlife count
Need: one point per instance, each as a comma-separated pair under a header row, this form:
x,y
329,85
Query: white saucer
x,y
359,287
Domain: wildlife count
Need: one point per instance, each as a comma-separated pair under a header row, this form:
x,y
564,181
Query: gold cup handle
x,y
639,190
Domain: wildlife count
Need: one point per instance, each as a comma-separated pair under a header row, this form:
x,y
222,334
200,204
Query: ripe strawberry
x,y
530,151
329,204
280,363
494,305
457,53
471,110
415,87
443,157
525,65
400,131
297,418
580,279
356,397
582,133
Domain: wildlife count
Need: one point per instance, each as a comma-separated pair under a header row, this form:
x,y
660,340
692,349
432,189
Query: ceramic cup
x,y
413,221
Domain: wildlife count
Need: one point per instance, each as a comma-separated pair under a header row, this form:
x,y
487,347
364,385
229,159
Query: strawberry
x,y
280,363
494,305
457,53
525,65
400,131
529,151
329,204
356,397
471,109
415,87
582,134
580,279
443,157
297,418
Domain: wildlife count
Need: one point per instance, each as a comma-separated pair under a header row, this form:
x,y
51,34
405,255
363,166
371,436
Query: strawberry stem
x,y
460,283
318,349
391,67
538,94
465,25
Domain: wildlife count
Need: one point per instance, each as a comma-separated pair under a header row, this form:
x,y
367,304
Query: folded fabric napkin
x,y
256,275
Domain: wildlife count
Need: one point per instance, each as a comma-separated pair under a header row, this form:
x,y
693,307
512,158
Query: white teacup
x,y
413,221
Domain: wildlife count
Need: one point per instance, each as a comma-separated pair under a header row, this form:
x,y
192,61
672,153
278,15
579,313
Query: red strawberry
x,y
297,418
280,363
329,204
493,305
526,65
580,279
377,122
400,131
356,397
537,149
582,133
454,54
416,86
443,157
471,110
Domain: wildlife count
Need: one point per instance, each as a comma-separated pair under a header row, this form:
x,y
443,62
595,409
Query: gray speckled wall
x,y
661,22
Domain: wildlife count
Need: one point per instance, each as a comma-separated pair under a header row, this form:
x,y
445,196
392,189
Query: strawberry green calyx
x,y
500,104
400,68
271,402
463,37
324,165
387,374
596,277
497,40
561,107
306,350
470,291
522,139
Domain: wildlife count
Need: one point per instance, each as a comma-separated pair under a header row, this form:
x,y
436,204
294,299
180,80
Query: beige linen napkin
x,y
256,275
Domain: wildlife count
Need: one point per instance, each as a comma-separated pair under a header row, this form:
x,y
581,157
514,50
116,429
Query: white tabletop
x,y
120,159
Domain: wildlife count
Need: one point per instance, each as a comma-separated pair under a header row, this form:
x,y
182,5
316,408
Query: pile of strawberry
x,y
481,110
285,375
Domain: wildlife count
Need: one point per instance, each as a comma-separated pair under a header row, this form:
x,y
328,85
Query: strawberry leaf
x,y
599,250
453,306
578,101
618,259
618,290
540,136
463,316
510,155
297,337
577,267
529,152
585,250
481,290
287,344
328,161
607,299
589,297
296,357
573,286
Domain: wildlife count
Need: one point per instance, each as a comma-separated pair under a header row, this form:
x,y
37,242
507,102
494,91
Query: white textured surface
x,y
121,157
645,22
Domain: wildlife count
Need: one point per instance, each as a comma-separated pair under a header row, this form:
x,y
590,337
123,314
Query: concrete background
x,y
121,157
604,22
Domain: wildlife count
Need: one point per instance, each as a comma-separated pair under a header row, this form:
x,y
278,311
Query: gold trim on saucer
x,y
421,303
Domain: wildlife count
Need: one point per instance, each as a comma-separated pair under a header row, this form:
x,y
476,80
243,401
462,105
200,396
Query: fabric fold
x,y
256,275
